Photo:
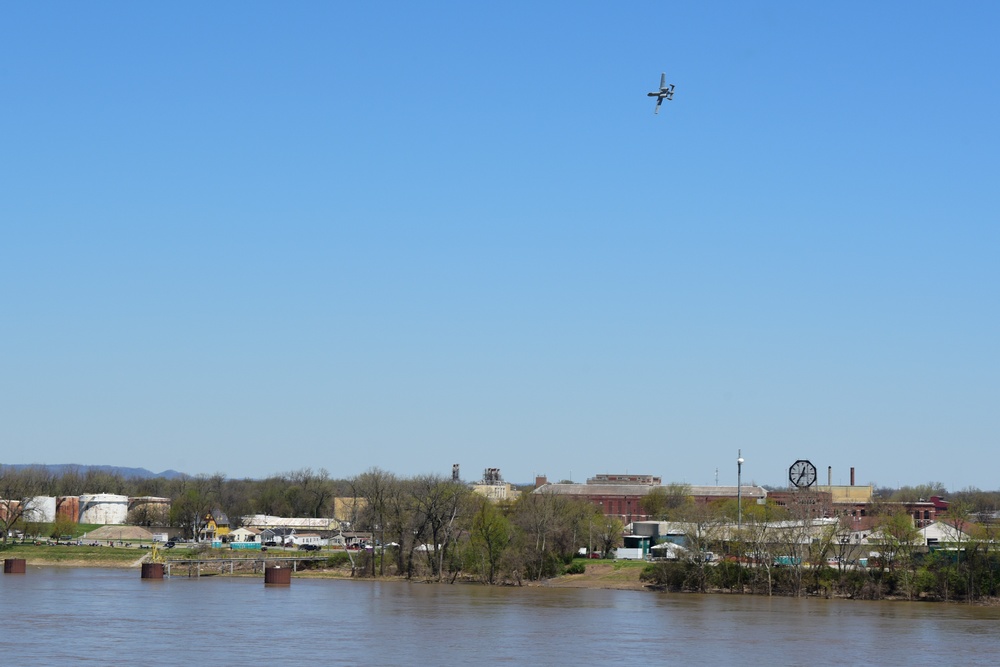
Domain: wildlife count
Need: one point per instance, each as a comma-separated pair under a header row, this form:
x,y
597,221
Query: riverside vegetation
x,y
435,529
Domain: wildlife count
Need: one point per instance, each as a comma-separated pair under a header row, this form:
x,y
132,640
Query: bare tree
x,y
18,489
702,528
195,501
374,488
437,503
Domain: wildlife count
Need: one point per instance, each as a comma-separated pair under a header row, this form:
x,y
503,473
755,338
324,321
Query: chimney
x,y
852,475
541,480
829,475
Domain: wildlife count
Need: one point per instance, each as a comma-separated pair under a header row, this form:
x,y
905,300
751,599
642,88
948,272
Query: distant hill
x,y
59,469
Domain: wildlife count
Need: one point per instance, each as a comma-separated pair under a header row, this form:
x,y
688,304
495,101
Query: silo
x,y
41,509
106,508
148,511
68,508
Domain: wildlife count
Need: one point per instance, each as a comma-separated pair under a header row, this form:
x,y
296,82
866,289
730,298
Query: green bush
x,y
576,568
669,575
727,575
338,560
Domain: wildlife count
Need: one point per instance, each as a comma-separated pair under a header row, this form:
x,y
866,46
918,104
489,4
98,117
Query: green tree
x,y
608,532
62,526
662,503
490,538
895,537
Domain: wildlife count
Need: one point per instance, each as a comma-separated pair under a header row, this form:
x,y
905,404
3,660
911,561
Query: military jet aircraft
x,y
664,93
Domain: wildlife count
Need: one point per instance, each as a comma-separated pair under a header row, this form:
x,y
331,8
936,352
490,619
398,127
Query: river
x,y
57,616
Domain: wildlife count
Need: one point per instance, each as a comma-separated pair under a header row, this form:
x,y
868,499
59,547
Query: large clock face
x,y
802,474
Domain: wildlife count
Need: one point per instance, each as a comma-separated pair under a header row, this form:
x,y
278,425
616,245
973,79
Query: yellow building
x,y
496,491
216,525
847,494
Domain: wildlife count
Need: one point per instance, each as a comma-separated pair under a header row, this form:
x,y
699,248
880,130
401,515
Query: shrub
x,y
338,560
576,568
671,576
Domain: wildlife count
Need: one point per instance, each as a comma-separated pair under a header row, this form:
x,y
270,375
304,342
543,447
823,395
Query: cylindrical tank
x,y
141,501
68,508
41,509
152,570
14,566
277,576
148,511
106,508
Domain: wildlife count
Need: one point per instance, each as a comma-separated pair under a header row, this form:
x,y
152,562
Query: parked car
x,y
169,545
308,547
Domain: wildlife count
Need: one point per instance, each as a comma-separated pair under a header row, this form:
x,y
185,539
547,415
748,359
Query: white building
x,y
300,539
40,509
105,508
244,535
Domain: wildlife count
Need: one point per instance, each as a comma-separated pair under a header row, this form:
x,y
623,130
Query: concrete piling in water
x,y
14,566
152,571
277,576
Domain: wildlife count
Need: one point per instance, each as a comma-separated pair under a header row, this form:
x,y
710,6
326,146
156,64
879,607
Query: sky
x,y
249,238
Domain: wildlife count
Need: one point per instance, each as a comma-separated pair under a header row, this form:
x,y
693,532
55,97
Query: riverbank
x,y
64,555
607,575
616,575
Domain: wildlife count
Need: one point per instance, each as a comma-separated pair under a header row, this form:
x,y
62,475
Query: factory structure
x,y
98,508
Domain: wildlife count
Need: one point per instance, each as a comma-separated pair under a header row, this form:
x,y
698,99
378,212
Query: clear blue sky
x,y
252,238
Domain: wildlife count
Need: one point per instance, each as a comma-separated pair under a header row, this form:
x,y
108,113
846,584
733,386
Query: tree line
x,y
793,550
429,526
425,526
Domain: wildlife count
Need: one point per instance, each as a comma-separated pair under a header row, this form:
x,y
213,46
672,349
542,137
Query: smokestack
x,y
829,475
852,475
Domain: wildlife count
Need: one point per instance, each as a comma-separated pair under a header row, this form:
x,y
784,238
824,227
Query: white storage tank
x,y
41,509
106,508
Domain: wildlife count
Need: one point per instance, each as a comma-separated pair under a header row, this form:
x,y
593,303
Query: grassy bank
x,y
617,574
622,575
74,556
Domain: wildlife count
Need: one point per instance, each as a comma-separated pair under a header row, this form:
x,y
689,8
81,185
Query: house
x,y
216,526
277,536
245,538
245,535
302,539
941,533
